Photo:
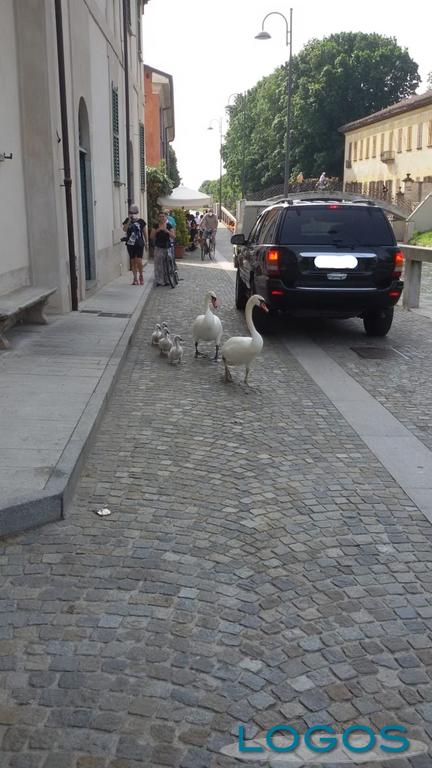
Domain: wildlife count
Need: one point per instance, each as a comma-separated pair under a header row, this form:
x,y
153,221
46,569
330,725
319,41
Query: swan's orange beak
x,y
264,306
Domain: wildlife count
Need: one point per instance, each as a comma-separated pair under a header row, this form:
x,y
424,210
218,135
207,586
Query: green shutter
x,y
115,134
142,155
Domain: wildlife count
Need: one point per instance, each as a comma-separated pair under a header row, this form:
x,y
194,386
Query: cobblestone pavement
x,y
259,566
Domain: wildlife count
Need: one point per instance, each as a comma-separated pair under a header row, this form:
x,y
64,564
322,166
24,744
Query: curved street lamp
x,y
210,128
263,35
243,173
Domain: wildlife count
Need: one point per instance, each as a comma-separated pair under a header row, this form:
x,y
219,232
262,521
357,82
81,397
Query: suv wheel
x,y
241,292
378,323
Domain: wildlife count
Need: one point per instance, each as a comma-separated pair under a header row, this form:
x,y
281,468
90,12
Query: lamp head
x,y
263,35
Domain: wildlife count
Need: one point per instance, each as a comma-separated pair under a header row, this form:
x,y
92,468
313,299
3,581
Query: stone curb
x,y
22,513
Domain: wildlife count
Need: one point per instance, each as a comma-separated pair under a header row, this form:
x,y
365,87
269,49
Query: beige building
x,y
389,154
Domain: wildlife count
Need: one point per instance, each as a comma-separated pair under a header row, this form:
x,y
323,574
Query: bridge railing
x,y
415,256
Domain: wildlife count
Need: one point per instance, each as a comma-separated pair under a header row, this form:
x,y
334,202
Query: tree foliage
x,y
173,171
158,185
429,81
341,78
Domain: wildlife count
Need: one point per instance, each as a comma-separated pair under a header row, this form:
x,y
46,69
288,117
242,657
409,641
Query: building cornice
x,y
406,105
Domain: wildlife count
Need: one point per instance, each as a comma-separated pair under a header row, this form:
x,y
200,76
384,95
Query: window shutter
x,y
115,134
142,155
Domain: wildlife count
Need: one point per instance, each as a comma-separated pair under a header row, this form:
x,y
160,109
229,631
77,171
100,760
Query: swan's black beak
x,y
264,306
215,302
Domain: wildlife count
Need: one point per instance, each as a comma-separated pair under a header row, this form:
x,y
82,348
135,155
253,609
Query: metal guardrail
x,y
415,256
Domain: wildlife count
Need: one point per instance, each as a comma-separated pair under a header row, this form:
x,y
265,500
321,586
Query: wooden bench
x,y
25,305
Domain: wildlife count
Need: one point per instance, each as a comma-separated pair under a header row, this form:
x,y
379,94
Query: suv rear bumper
x,y
326,302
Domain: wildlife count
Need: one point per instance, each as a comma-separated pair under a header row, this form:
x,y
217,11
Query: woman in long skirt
x,y
162,242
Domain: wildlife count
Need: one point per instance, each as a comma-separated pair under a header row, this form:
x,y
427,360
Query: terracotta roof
x,y
406,105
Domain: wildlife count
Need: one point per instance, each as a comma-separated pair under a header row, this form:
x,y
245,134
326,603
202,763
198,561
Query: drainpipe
x,y
66,158
126,86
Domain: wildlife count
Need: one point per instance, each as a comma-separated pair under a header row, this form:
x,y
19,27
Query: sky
x,y
211,52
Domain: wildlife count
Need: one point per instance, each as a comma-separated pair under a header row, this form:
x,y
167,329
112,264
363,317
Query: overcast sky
x,y
210,50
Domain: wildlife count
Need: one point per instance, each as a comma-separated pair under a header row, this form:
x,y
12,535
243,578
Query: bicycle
x,y
208,245
173,276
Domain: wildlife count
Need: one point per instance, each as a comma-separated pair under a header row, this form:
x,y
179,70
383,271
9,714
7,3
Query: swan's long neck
x,y
207,305
249,322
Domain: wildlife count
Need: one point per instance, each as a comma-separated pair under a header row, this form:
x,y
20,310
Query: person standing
x,y
162,242
136,241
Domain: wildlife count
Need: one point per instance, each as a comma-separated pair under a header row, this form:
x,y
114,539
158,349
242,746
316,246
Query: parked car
x,y
321,258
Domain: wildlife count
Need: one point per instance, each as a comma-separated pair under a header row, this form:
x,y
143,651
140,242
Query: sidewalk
x,y
54,383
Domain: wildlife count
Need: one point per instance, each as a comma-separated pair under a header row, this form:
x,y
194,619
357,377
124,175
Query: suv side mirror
x,y
238,240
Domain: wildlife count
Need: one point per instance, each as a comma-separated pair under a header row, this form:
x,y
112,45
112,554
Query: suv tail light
x,y
272,262
398,264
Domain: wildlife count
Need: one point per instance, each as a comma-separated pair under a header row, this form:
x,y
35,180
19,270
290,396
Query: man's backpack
x,y
134,234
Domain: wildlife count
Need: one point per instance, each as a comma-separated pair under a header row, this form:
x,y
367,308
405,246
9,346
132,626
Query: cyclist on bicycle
x,y
209,225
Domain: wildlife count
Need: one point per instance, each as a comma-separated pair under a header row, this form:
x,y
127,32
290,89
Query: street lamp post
x,y
263,35
210,128
243,170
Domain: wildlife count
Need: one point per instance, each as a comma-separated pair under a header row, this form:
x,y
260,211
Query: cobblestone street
x,y
260,565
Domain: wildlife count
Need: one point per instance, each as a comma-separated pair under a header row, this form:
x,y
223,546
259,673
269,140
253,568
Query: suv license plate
x,y
336,275
333,261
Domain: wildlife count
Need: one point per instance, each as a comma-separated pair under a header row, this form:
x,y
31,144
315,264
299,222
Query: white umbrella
x,y
183,197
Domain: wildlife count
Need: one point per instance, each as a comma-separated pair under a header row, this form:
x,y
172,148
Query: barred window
x,y
429,133
374,142
142,155
367,148
115,134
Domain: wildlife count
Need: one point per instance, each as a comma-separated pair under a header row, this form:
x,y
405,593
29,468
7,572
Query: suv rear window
x,y
335,226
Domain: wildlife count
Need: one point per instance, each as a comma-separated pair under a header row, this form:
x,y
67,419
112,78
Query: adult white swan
x,y
208,327
242,350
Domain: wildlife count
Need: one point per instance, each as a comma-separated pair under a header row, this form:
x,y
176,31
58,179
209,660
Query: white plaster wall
x,y
100,85
14,255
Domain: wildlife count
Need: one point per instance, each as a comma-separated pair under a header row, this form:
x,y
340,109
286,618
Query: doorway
x,y
87,223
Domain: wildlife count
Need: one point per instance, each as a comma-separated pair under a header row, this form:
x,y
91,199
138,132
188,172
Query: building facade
x,y
159,115
389,153
43,238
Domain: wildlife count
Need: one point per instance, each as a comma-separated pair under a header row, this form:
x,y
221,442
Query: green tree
x,y
158,185
341,78
173,171
429,81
